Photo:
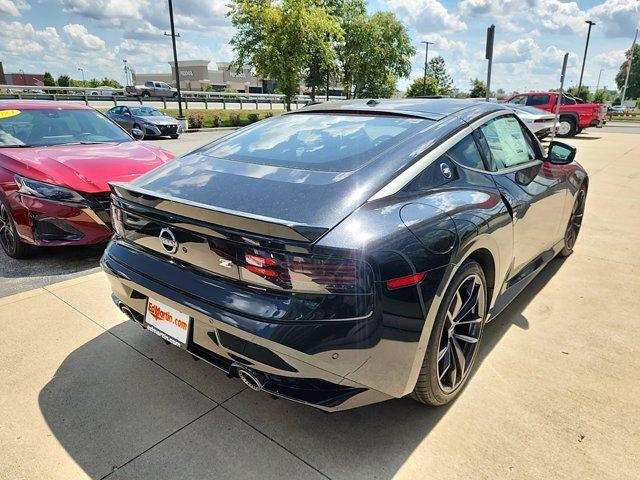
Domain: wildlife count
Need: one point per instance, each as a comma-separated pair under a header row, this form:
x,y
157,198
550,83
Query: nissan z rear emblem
x,y
168,241
446,170
225,263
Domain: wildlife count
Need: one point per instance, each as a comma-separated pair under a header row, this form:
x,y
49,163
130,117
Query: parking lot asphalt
x,y
47,266
556,393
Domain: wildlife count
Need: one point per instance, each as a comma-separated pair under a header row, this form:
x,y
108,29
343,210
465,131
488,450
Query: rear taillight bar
x,y
303,273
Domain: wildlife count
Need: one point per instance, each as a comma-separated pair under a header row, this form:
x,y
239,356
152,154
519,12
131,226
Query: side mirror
x,y
137,134
127,114
561,153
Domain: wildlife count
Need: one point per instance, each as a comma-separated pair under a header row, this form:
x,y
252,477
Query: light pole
x,y
584,59
23,78
80,69
426,57
629,62
491,33
599,75
173,36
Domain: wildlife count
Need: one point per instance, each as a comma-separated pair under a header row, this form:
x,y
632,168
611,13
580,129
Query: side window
x,y
432,176
118,110
148,84
519,100
159,85
466,153
508,144
534,100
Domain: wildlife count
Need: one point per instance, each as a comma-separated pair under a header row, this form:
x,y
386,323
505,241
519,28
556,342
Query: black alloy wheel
x,y
575,222
9,240
455,337
460,333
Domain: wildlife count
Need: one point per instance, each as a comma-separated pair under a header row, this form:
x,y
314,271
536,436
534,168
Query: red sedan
x,y
56,162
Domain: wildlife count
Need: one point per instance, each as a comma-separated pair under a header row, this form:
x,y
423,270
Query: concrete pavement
x,y
556,393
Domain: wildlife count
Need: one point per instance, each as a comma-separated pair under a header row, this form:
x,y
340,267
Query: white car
x,y
539,121
618,109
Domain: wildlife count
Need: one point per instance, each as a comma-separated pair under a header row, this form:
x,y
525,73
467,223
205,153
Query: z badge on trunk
x,y
167,322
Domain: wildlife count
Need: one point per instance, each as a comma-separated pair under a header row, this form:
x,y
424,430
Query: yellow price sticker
x,y
9,113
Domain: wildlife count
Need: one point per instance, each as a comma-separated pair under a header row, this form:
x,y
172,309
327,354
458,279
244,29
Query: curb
x,y
210,129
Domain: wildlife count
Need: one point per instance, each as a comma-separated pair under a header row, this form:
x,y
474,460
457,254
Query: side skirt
x,y
520,281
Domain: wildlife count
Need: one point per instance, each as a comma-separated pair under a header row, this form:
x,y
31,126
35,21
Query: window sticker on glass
x,y
507,143
9,113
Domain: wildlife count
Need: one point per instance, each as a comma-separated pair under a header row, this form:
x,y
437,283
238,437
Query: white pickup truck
x,y
152,89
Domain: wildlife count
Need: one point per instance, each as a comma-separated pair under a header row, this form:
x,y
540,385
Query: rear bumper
x,y
307,362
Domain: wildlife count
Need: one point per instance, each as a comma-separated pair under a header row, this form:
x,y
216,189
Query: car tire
x,y
175,95
567,127
575,222
145,95
439,381
9,239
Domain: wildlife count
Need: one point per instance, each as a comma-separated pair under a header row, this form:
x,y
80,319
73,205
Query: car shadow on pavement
x,y
46,266
110,404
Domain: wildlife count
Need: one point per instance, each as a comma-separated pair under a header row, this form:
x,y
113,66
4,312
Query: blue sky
x,y
531,36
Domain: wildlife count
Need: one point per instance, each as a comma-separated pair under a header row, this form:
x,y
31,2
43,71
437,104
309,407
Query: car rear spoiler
x,y
141,200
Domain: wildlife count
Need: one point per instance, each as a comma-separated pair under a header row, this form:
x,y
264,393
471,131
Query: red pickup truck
x,y
574,116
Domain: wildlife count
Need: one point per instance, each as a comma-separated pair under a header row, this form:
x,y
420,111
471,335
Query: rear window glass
x,y
328,142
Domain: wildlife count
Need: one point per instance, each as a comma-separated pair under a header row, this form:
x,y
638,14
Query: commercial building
x,y
21,78
195,75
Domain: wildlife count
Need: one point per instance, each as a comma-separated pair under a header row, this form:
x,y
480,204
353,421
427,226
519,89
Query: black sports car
x,y
150,120
348,252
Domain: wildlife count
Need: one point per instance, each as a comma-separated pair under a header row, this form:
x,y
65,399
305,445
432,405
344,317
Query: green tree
x,y
280,38
582,94
437,69
633,87
48,80
325,60
377,51
420,88
601,95
64,81
478,89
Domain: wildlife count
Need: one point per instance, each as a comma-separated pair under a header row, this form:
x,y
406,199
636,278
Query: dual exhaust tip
x,y
250,379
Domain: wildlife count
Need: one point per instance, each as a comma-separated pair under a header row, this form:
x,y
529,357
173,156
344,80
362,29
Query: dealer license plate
x,y
167,322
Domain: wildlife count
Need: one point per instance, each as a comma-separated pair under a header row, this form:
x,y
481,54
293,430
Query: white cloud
x,y
105,9
515,52
551,15
426,15
81,39
13,7
23,46
23,40
127,15
442,43
618,17
611,60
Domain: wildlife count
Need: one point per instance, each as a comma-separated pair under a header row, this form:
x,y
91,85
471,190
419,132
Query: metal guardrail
x,y
186,100
120,92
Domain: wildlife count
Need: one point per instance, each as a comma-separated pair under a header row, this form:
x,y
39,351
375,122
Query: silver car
x,y
150,120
